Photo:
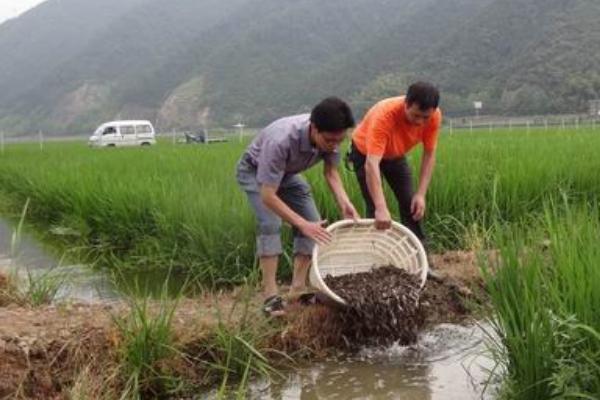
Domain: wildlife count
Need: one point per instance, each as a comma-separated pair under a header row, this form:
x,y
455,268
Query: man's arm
x,y
418,204
383,219
332,177
313,230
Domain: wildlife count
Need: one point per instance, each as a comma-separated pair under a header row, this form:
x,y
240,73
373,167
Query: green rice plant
x,y
147,340
181,204
577,367
545,296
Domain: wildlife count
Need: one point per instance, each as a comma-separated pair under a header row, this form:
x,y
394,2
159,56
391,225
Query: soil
x,y
43,350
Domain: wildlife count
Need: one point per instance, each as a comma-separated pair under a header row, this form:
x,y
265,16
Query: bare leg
x,y
268,266
301,266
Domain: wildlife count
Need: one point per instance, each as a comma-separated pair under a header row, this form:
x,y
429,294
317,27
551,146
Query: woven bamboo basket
x,y
360,247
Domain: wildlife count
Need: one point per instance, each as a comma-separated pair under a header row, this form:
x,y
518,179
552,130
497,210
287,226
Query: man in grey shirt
x,y
268,173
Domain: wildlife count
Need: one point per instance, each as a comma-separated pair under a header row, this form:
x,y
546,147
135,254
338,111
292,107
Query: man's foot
x,y
274,306
301,297
308,299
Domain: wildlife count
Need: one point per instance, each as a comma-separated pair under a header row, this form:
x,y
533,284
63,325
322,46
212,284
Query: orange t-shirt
x,y
386,132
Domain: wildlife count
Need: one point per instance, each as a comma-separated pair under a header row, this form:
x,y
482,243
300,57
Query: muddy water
x,y
80,282
27,255
448,362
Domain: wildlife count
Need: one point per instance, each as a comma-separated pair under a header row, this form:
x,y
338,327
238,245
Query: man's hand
x,y
315,231
417,207
349,211
334,181
383,219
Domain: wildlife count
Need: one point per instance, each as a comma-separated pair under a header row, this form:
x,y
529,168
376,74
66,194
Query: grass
x,y
546,298
40,288
88,384
34,290
147,340
181,205
237,347
31,288
159,348
155,363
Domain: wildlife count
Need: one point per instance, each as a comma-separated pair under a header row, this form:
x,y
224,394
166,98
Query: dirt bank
x,y
44,351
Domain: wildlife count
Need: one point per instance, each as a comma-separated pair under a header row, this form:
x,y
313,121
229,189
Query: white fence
x,y
492,123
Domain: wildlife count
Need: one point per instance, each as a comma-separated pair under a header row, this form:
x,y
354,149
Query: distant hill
x,y
67,65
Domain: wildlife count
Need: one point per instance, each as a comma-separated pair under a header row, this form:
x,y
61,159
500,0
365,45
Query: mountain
x,y
522,56
68,65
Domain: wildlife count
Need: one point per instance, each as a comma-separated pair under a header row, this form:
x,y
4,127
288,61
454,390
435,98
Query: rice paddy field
x,y
532,196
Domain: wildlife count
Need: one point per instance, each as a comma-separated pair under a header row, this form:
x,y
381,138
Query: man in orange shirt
x,y
389,130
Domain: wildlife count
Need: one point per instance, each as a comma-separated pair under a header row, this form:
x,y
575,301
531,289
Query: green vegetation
x,y
236,349
179,206
532,195
149,208
154,362
29,288
546,300
147,339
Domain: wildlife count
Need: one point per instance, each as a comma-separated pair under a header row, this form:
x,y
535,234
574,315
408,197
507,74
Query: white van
x,y
123,133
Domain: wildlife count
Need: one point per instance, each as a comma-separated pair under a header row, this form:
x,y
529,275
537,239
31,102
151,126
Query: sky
x,y
12,8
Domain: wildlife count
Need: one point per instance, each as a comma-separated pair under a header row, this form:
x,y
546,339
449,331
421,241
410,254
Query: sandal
x,y
273,306
308,299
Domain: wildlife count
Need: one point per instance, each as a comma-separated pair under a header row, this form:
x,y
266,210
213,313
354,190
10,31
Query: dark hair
x,y
424,94
332,115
